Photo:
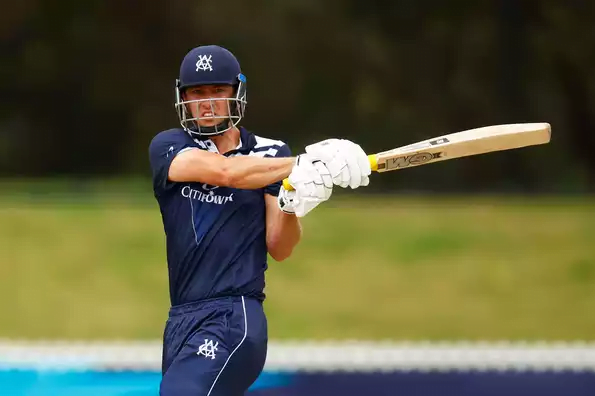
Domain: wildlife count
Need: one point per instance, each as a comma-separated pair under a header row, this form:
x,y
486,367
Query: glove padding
x,y
346,161
312,185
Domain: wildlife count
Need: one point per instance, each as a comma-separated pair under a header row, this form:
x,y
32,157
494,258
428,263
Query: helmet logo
x,y
204,63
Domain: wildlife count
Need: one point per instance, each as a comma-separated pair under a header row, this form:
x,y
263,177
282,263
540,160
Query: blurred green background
x,y
92,265
491,247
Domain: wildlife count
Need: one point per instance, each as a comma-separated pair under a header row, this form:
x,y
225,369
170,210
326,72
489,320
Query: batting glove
x,y
312,185
347,162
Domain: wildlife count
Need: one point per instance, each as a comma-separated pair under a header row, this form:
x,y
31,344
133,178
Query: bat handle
x,y
372,158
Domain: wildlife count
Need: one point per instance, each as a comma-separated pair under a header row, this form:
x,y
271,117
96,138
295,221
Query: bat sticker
x,y
439,141
409,160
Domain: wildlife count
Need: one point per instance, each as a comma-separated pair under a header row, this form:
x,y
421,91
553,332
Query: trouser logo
x,y
208,349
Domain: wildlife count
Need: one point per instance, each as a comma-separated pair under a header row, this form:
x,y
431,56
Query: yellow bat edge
x,y
372,158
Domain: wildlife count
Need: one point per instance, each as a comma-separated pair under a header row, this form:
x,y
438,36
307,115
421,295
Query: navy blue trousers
x,y
213,348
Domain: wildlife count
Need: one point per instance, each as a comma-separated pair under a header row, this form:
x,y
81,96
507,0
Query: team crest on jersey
x,y
208,349
204,63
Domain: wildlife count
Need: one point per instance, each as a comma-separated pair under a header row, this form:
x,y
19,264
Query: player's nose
x,y
208,104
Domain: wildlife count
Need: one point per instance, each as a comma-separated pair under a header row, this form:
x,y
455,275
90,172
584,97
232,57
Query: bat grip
x,y
372,158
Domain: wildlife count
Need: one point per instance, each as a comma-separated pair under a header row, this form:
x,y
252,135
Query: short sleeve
x,y
163,149
273,189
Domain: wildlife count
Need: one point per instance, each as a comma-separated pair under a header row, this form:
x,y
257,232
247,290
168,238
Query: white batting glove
x,y
312,185
286,200
346,161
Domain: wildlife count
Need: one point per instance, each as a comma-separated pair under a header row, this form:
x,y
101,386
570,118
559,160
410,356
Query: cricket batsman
x,y
219,190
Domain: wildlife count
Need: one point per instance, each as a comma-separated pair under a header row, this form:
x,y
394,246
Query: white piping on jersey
x,y
192,217
263,142
236,348
271,151
185,149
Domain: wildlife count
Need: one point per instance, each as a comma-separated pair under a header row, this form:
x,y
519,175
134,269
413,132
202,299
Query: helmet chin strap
x,y
204,133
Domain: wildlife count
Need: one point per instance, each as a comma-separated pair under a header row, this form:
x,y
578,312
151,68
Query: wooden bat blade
x,y
459,144
463,144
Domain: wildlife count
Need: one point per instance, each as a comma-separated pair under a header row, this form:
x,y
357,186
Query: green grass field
x,y
371,267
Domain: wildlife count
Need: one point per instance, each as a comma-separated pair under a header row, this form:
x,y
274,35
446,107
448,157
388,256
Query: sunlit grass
x,y
400,268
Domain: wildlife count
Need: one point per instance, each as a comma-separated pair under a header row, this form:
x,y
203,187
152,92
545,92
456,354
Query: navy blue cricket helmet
x,y
205,65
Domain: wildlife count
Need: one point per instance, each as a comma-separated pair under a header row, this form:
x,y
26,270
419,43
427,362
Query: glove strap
x,y
285,203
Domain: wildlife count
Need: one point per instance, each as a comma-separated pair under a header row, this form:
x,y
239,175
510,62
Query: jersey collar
x,y
247,143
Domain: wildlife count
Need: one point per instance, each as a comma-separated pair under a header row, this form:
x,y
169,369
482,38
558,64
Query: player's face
x,y
209,112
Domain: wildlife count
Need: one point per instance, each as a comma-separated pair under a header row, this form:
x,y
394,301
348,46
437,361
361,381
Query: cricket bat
x,y
459,144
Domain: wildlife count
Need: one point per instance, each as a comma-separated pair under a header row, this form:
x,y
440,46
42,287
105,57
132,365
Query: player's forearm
x,y
245,172
283,238
255,172
284,231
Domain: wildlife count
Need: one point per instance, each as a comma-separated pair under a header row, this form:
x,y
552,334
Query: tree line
x,y
86,85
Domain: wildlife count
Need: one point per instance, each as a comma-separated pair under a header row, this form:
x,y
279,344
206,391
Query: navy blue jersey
x,y
215,236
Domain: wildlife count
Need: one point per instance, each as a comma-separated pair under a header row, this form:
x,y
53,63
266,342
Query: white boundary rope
x,y
357,356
